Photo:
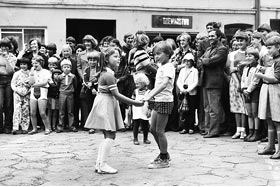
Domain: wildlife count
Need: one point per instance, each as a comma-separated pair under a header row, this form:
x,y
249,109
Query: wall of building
x,y
130,15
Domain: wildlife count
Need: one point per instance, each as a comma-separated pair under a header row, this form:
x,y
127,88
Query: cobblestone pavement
x,y
67,159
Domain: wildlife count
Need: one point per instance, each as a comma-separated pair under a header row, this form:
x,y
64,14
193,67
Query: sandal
x,y
47,132
275,155
33,132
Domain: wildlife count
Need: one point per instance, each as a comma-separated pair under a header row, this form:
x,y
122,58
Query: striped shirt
x,y
141,58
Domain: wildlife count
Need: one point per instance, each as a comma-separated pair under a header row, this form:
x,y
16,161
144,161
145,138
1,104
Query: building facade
x,y
53,21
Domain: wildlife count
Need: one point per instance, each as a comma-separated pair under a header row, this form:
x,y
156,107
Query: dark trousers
x,y
77,104
66,101
86,105
214,113
145,127
189,116
6,106
200,109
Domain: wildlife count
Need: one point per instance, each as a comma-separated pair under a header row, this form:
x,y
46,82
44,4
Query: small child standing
x,y
21,88
53,99
53,92
164,102
89,88
251,90
67,83
141,115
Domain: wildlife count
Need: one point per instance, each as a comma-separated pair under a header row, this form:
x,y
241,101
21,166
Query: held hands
x,y
139,103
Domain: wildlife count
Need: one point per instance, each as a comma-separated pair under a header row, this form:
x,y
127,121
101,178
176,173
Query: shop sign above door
x,y
162,21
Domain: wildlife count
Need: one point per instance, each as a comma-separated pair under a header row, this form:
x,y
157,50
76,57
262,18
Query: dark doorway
x,y
275,24
230,29
78,28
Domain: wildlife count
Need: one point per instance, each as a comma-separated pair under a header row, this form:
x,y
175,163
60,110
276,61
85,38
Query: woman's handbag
x,y
184,106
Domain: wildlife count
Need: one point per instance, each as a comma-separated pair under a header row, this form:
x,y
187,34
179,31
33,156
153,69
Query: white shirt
x,y
166,70
190,78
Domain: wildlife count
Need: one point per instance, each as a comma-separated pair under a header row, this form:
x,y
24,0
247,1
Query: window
x,y
23,35
275,24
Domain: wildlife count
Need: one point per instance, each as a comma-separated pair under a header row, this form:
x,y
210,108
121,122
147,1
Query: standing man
x,y
213,62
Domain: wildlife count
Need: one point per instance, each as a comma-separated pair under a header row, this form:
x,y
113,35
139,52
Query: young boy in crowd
x,y
67,83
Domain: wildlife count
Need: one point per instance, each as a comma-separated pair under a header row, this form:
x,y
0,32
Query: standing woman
x,y
39,78
29,53
7,64
237,102
187,83
82,61
105,114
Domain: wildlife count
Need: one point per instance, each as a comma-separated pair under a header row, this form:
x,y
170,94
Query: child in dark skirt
x,y
163,104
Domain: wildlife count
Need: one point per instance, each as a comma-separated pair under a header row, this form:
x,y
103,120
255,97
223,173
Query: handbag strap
x,y
188,76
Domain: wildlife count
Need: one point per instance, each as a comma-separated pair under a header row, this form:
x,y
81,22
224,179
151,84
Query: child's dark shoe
x,y
147,142
136,142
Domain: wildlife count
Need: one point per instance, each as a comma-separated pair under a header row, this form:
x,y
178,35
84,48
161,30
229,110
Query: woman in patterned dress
x,y
237,104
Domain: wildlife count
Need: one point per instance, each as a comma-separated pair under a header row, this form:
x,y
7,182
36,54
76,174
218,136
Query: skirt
x,y
269,102
105,114
237,102
163,107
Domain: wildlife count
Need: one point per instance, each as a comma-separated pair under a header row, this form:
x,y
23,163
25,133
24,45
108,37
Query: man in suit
x,y
213,62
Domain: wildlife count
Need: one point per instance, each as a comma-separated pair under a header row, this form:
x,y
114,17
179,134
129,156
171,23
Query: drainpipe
x,y
257,17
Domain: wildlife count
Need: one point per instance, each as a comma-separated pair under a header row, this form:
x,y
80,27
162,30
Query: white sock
x,y
238,129
242,129
106,148
99,152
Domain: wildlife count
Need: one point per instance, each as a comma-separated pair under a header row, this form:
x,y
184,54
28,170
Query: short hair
x,y
274,40
126,36
157,39
218,32
5,42
94,54
39,59
71,39
108,52
66,46
186,36
14,42
106,39
172,43
140,32
35,39
52,60
141,78
82,46
164,47
116,41
272,33
91,39
141,40
213,24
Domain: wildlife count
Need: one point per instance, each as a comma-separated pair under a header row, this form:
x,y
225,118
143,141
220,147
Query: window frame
x,y
20,30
